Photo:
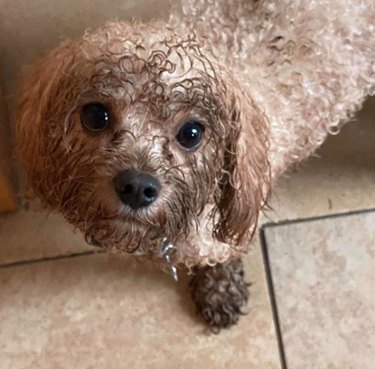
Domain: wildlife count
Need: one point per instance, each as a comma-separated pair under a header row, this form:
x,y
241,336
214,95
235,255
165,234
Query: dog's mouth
x,y
127,232
157,245
119,229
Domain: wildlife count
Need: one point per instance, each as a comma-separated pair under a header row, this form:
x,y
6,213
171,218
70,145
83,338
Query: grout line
x,y
49,258
268,270
273,224
272,296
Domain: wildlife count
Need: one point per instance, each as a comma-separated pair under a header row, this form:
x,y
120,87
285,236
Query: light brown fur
x,y
268,79
150,94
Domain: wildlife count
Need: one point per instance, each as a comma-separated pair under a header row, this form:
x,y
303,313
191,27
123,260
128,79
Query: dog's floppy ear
x,y
243,188
40,113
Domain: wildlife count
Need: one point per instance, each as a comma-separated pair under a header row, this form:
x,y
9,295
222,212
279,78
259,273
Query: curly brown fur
x,y
150,87
220,293
267,79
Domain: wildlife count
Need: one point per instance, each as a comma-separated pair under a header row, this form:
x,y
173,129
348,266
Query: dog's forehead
x,y
118,54
150,76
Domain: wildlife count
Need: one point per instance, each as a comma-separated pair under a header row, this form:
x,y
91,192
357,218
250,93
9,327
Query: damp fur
x,y
269,80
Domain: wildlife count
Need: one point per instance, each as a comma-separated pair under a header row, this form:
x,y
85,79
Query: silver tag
x,y
166,251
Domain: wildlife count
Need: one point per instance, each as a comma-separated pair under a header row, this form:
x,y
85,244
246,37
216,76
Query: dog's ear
x,y
40,105
243,188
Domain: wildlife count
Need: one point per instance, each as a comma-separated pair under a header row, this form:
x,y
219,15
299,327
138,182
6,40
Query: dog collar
x,y
166,251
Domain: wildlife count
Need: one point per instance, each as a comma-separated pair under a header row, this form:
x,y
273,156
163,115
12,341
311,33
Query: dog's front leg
x,y
220,293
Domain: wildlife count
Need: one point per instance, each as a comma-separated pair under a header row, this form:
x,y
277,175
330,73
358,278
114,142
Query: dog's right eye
x,y
190,135
95,117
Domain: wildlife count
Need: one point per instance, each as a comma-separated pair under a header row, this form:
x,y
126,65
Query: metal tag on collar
x,y
166,251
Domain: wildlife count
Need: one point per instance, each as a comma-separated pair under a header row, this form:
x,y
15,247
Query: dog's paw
x,y
220,294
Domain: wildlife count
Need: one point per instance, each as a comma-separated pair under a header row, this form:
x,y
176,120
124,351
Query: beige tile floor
x,y
323,272
93,311
89,312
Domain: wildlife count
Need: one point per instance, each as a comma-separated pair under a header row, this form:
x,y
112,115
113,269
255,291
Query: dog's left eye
x,y
190,135
95,117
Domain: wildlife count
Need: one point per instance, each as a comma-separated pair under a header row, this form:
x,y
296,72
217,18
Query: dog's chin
x,y
119,228
118,235
126,232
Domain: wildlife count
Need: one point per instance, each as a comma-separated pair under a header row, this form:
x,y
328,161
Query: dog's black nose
x,y
136,189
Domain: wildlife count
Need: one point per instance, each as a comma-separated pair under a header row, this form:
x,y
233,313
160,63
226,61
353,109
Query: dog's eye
x,y
190,135
94,117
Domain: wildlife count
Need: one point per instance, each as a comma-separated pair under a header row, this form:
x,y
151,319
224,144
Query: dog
x,y
166,138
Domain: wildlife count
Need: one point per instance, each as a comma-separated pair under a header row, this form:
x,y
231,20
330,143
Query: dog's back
x,y
309,65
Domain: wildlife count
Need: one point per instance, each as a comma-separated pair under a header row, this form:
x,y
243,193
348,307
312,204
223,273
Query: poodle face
x,y
132,134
